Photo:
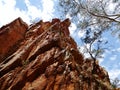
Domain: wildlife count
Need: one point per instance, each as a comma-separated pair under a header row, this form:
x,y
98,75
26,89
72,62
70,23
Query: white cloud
x,y
114,57
111,6
48,9
72,28
101,60
9,12
114,73
81,33
68,16
115,50
118,49
33,11
6,9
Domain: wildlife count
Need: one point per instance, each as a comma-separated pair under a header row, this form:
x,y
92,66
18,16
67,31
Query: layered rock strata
x,y
46,58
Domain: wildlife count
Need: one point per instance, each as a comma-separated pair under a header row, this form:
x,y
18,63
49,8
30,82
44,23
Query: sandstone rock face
x,y
10,37
47,59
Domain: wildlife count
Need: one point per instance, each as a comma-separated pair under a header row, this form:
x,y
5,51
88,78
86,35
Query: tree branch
x,y
102,16
106,16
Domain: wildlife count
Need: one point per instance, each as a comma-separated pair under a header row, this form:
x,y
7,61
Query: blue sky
x,y
46,9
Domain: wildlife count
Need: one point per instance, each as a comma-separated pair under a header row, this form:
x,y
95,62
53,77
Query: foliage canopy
x,y
94,17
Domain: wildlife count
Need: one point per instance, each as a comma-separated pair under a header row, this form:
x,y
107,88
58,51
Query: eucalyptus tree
x,y
94,17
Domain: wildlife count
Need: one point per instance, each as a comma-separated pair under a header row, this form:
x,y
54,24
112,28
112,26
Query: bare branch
x,y
103,16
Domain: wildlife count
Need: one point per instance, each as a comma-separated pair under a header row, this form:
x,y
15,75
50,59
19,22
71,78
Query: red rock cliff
x,y
10,37
46,58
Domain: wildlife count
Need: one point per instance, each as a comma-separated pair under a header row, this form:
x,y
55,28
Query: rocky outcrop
x,y
48,59
10,37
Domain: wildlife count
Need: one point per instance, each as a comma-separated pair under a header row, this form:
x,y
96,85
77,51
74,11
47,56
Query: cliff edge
x,y
43,56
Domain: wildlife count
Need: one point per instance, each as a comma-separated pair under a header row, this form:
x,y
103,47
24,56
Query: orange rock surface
x,y
10,37
46,58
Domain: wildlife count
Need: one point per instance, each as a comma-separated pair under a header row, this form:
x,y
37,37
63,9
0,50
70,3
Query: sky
x,y
30,10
